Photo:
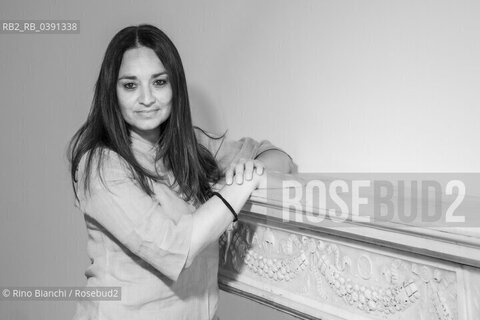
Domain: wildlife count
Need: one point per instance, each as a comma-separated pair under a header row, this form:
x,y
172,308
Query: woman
x,y
142,176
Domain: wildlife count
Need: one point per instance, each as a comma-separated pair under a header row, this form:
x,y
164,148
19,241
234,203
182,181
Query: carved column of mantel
x,y
348,270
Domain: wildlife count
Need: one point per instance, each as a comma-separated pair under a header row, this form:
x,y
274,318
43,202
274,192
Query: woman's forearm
x,y
212,218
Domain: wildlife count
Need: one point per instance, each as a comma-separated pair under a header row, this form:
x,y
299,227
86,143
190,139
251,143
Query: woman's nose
x,y
146,97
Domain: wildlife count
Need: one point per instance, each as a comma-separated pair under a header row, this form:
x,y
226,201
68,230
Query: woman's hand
x,y
243,170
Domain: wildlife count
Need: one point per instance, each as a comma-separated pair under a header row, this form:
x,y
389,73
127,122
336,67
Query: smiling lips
x,y
147,111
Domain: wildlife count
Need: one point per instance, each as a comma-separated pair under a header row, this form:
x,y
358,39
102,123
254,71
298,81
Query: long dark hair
x,y
193,166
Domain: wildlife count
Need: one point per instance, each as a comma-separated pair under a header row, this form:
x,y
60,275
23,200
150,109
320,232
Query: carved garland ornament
x,y
315,255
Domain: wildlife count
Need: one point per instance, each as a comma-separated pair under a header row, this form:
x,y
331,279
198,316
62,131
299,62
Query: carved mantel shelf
x,y
350,269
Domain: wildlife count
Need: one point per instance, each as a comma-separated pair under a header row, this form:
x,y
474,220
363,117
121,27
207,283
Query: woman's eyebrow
x,y
135,78
159,74
127,77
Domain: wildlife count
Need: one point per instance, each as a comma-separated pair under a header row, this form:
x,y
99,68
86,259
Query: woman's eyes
x,y
132,85
160,82
129,85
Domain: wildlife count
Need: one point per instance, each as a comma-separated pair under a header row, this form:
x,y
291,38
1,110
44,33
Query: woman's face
x,y
144,92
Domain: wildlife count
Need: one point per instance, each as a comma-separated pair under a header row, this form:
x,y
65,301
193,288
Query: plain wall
x,y
341,85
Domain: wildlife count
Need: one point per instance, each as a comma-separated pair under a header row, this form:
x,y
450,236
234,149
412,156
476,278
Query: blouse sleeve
x,y
228,151
156,230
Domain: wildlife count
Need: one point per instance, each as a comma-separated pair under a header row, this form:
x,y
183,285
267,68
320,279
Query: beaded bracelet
x,y
235,216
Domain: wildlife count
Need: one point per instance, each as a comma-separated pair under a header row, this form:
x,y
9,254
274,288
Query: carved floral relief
x,y
379,285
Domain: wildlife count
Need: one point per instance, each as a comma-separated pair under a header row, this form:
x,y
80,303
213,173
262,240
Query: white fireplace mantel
x,y
350,269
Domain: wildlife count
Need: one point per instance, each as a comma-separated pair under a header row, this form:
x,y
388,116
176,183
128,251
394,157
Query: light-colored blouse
x,y
141,243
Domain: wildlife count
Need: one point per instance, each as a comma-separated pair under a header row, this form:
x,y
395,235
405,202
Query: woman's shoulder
x,y
103,159
208,139
103,154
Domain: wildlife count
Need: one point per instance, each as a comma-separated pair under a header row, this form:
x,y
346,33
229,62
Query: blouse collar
x,y
145,152
141,144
